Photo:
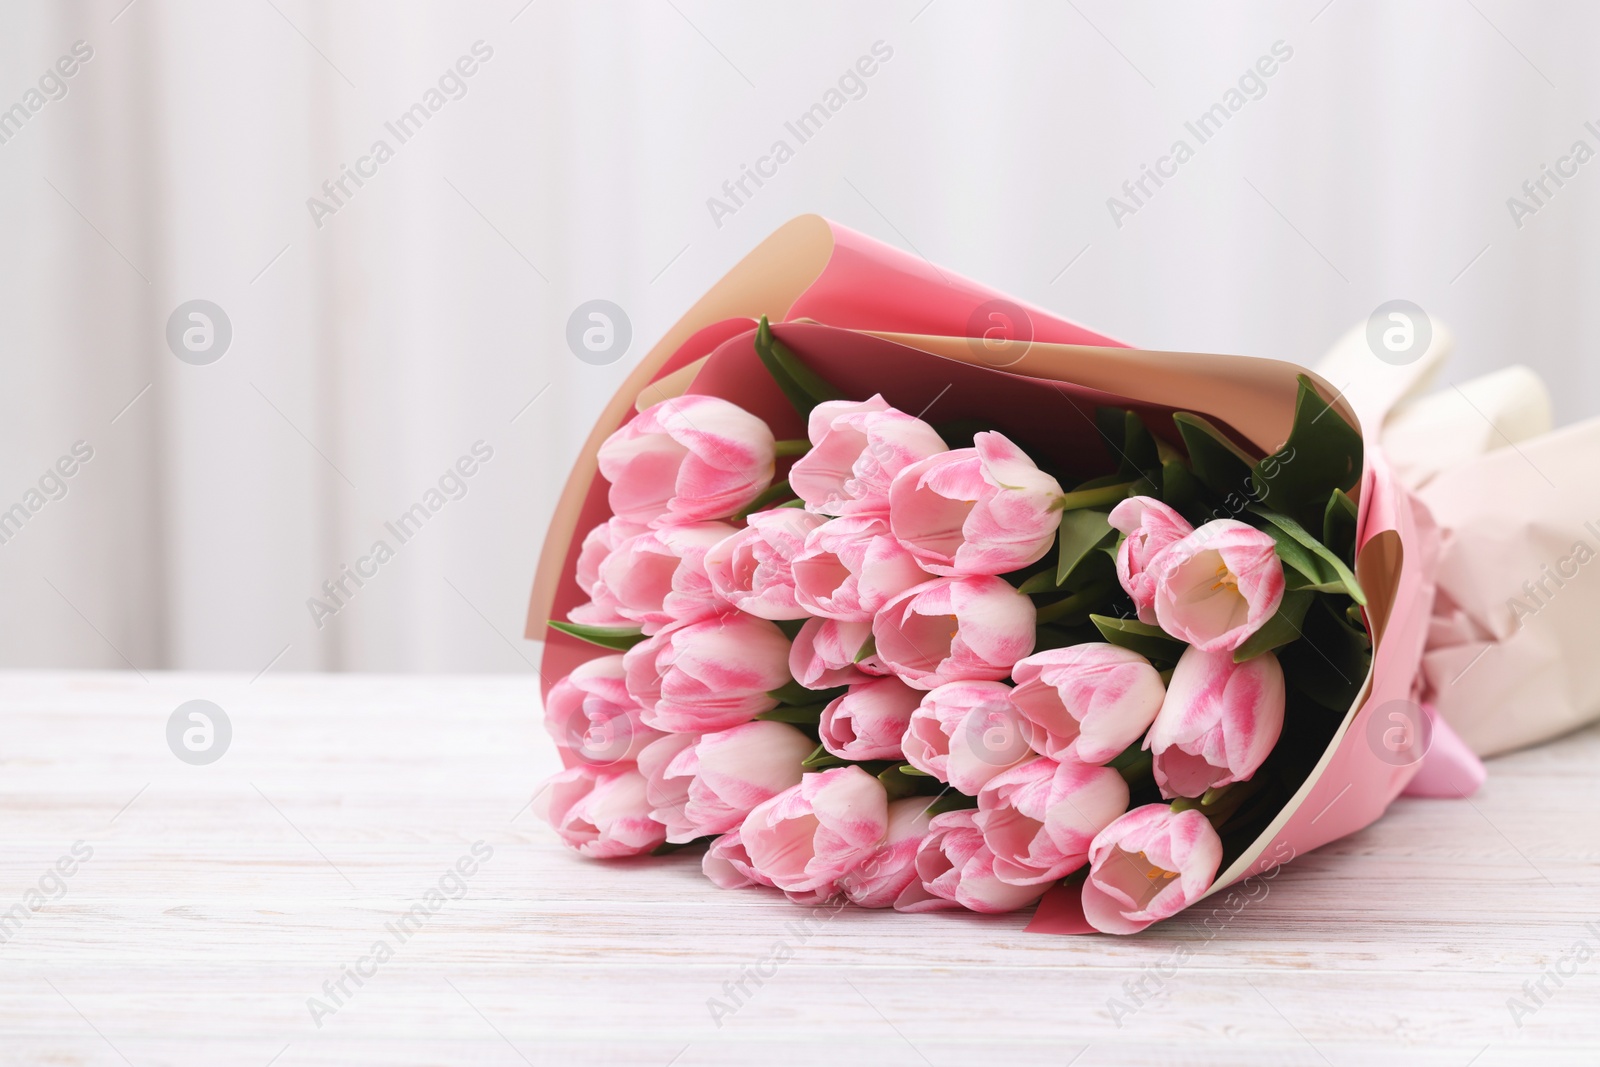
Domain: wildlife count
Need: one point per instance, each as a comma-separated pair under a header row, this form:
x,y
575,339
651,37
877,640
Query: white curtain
x,y
371,353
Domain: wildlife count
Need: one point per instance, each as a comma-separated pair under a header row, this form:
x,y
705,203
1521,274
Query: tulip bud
x,y
1039,817
1148,865
980,510
851,567
868,722
687,459
708,675
1218,723
1148,527
857,449
1217,586
602,813
752,569
954,629
811,835
955,869
1086,702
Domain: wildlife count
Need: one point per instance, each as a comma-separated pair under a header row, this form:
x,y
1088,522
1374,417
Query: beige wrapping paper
x,y
1511,658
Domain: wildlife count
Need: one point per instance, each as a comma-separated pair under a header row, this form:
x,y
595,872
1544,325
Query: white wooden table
x,y
219,899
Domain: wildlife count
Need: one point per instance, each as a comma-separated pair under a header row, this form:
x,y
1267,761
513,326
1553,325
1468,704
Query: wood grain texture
x,y
218,899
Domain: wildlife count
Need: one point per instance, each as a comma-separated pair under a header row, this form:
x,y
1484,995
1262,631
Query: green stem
x,y
1093,498
794,447
776,491
1082,600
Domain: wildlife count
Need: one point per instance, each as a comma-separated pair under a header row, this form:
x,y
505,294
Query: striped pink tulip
x,y
1149,865
602,608
856,450
888,872
1039,817
658,577
824,654
868,722
729,772
955,869
850,567
687,459
601,812
1148,526
1217,586
965,733
980,510
708,675
1086,702
811,835
954,629
592,717
752,568
1218,723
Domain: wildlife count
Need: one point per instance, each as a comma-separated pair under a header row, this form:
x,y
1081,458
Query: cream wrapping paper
x,y
1510,659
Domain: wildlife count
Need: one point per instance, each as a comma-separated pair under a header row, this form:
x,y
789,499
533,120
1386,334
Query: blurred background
x,y
237,337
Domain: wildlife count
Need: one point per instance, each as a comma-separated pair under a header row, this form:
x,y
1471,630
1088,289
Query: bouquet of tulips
x,y
920,597
929,664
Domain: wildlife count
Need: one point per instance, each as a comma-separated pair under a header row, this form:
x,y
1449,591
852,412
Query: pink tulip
x,y
980,510
1086,702
1217,586
825,651
965,733
1148,865
1219,722
602,813
708,675
687,459
658,577
727,864
730,772
954,629
1148,527
868,722
668,795
852,566
857,449
1038,818
593,719
751,569
602,608
811,835
888,872
955,869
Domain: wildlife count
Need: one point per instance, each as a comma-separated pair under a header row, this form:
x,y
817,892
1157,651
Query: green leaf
x,y
1084,600
1221,465
868,649
804,714
1151,642
1128,441
1081,532
1282,628
1179,489
1329,665
792,692
902,780
1297,533
804,387
821,759
1339,525
1323,453
616,638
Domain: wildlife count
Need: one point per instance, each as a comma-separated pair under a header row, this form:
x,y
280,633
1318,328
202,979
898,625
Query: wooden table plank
x,y
219,899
